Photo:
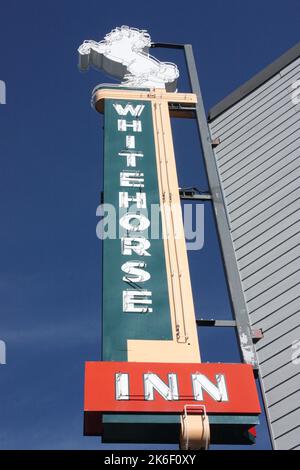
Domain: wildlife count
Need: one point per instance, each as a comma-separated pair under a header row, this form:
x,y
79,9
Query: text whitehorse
x,y
135,301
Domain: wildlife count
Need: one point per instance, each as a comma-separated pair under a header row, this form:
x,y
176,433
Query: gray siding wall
x,y
259,166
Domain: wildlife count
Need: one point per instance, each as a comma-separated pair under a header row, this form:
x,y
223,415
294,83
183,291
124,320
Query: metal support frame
x,y
212,322
195,433
194,194
243,327
256,334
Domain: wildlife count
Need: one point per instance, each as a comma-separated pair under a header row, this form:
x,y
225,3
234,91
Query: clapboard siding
x,y
272,241
277,252
289,440
284,424
252,184
258,161
277,361
282,217
238,151
272,268
283,391
287,405
279,344
281,375
248,221
286,152
279,316
255,138
270,150
272,308
279,330
268,182
280,222
255,97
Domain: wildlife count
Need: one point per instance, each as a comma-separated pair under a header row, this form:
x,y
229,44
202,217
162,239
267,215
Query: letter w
x,y
134,111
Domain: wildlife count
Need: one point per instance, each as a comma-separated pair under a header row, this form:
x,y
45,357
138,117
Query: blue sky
x,y
50,180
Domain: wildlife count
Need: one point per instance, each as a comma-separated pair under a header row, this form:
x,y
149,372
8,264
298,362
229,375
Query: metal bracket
x,y
256,334
243,328
195,430
247,349
178,110
212,322
195,194
215,142
166,45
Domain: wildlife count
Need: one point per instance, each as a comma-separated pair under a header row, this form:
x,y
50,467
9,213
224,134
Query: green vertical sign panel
x,y
119,325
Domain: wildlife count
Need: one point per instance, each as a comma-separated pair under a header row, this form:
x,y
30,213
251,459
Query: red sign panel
x,y
154,387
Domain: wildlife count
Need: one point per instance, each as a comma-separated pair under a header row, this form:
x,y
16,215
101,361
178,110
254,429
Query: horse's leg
x,y
91,53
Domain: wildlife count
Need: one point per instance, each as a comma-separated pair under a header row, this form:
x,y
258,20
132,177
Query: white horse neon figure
x,y
124,54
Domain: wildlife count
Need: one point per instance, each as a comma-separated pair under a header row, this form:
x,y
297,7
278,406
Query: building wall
x,y
258,161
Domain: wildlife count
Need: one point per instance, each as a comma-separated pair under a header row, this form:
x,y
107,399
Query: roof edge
x,y
259,79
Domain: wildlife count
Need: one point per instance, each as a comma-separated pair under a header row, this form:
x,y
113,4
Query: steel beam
x,y
230,264
212,322
238,302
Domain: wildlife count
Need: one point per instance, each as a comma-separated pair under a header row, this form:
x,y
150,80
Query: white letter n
x,y
153,382
218,392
